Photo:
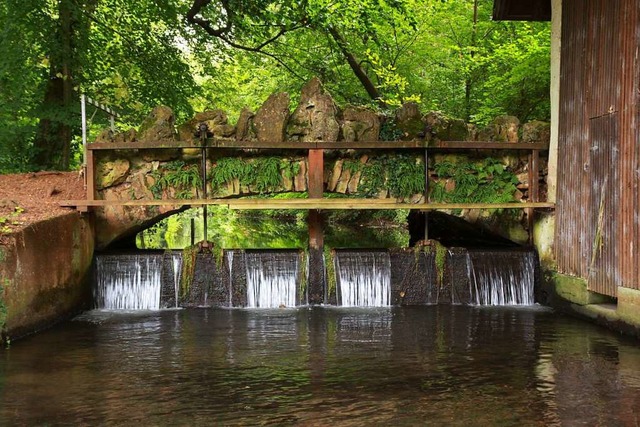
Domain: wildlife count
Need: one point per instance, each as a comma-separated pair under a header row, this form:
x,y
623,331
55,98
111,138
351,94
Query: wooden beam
x,y
327,145
345,203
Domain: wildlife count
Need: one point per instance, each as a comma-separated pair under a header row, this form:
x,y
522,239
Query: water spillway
x,y
501,277
128,282
272,278
363,278
279,278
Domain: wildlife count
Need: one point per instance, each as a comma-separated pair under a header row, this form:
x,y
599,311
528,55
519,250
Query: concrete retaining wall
x,y
44,270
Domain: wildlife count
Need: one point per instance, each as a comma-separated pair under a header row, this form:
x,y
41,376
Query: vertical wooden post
x,y
315,223
426,193
316,190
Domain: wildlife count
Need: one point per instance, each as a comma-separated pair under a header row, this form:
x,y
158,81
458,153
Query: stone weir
x,y
279,278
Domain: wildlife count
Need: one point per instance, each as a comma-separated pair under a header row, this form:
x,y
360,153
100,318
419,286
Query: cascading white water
x,y
176,261
128,282
272,279
364,278
501,278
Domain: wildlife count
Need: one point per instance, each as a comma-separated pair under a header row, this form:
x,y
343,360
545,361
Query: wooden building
x,y
597,234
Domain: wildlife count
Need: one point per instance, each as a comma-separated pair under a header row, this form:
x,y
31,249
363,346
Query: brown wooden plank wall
x,y
597,208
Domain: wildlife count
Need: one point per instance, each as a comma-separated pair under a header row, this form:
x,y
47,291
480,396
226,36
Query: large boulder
x,y
158,126
244,128
501,129
442,128
536,131
271,118
216,121
111,173
409,121
360,124
315,117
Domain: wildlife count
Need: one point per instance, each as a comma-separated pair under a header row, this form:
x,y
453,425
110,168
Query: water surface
x,y
322,366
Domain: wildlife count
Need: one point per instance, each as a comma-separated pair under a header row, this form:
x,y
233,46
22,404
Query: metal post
x,y
193,231
83,112
203,139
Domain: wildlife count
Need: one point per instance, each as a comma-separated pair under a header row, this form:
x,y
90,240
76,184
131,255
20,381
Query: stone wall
x,y
174,174
45,273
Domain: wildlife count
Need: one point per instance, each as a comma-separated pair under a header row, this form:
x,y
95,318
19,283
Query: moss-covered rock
x,y
270,121
111,172
315,118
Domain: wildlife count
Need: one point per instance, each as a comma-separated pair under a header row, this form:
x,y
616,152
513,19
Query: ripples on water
x,y
401,366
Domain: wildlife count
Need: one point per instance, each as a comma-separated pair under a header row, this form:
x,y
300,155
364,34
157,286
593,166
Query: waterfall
x,y
364,278
272,279
176,262
501,277
128,282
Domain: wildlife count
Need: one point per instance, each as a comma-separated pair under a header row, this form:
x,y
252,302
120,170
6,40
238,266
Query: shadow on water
x,y
441,364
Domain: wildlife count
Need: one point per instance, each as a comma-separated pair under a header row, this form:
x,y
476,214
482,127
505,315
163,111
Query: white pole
x,y
83,109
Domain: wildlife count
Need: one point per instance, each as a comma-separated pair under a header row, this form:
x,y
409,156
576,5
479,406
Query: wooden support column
x,y
426,193
534,177
315,223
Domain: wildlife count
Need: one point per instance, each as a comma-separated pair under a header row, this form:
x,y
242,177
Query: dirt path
x,y
31,197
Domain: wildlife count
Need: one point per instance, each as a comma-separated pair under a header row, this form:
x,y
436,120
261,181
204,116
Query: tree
x,y
124,53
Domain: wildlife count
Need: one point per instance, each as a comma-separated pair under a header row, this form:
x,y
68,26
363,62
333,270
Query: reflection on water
x,y
269,230
424,365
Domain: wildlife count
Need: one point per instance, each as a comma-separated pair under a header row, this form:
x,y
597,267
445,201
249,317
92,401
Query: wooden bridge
x,y
315,154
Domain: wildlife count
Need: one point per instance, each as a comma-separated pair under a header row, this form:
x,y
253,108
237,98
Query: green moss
x,y
332,284
575,290
4,283
440,257
302,271
189,255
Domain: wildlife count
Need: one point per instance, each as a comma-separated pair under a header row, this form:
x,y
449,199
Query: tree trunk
x,y
52,144
368,85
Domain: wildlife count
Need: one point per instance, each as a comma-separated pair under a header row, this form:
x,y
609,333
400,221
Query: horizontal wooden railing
x,y
315,174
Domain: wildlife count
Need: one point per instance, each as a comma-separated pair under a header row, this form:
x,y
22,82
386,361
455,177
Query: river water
x,y
322,366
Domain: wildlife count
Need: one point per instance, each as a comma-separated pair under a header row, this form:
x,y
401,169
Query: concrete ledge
x,y
629,305
574,290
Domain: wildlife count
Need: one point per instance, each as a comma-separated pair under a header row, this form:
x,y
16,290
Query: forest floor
x,y
31,197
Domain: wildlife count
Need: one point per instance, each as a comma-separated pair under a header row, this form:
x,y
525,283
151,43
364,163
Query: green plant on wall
x,y
262,174
487,181
332,284
189,255
303,272
401,175
179,176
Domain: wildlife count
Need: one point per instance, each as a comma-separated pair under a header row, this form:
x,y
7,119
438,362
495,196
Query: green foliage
x,y
401,175
486,181
331,277
303,272
12,219
262,174
179,176
189,255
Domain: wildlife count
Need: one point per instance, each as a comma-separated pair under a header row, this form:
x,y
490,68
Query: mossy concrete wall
x,y
44,270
